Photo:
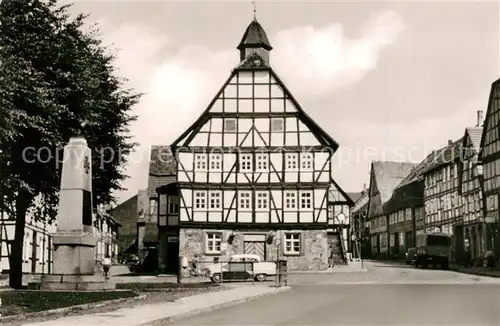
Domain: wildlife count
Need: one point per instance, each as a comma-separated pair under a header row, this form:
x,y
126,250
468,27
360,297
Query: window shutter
x,y
302,243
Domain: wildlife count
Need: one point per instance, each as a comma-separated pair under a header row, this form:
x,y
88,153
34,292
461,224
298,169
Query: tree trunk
x,y
23,201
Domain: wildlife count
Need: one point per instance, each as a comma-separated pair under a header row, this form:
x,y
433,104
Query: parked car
x,y
241,267
411,255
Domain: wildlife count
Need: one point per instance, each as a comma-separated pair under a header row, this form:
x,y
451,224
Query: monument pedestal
x,y
74,264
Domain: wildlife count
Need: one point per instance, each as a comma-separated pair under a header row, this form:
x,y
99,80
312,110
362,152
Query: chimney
x,y
364,188
450,141
479,118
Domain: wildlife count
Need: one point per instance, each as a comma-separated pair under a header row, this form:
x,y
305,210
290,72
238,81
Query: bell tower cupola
x,y
254,40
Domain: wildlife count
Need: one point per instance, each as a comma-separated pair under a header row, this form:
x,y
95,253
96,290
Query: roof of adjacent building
x,y
475,134
388,175
361,202
445,155
354,196
254,37
162,168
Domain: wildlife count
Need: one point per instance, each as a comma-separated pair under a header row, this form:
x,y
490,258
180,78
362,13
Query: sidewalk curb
x,y
60,312
199,311
476,273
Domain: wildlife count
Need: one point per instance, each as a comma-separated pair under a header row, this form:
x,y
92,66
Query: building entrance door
x,y
172,266
256,248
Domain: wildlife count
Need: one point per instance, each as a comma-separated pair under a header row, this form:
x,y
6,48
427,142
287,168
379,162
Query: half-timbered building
x,y
442,201
475,231
490,159
253,166
385,176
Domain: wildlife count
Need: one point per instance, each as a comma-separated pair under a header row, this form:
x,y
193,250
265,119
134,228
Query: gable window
x,y
215,162
305,200
213,242
153,204
199,200
291,162
200,162
262,200
244,200
173,205
290,200
292,243
215,199
246,162
306,161
230,125
262,162
277,124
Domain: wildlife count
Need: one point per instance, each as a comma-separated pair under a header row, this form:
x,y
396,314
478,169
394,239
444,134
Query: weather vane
x,y
254,9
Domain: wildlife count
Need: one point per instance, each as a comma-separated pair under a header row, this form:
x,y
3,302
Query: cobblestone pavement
x,y
387,294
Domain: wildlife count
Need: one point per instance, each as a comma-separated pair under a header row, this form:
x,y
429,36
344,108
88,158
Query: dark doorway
x,y
458,250
172,263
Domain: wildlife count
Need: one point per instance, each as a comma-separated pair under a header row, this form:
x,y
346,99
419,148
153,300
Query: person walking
x,y
106,265
330,256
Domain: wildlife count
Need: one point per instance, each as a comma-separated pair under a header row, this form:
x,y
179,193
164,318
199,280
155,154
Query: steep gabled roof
x,y
487,116
361,202
251,63
445,155
255,37
354,196
474,134
389,175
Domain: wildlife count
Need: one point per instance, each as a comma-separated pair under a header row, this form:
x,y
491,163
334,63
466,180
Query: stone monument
x,y
74,241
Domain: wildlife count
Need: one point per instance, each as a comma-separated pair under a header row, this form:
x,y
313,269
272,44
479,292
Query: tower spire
x,y
254,10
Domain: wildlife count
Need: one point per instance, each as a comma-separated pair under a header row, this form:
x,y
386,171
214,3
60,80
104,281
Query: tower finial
x,y
254,10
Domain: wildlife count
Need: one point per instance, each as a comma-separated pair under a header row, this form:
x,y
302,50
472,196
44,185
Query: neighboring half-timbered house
x,y
253,165
385,176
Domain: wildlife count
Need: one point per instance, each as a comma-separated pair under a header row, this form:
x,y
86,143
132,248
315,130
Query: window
x,y
200,162
305,200
199,200
277,124
215,162
262,162
246,162
291,161
153,203
245,200
230,125
213,243
291,200
262,199
173,205
292,243
306,161
215,199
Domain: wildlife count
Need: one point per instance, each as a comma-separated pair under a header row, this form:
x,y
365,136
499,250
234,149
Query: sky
x,y
387,80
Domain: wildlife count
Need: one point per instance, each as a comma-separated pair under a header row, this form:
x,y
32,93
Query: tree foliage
x,y
56,80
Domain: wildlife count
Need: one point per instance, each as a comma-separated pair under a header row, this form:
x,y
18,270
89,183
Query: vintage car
x,y
241,267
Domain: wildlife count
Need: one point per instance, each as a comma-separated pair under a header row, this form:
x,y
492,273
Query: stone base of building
x,y
312,254
75,283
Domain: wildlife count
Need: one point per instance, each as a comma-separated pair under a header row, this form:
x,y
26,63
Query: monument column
x,y
74,241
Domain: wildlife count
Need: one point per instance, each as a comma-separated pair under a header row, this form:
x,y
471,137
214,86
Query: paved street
x,y
387,294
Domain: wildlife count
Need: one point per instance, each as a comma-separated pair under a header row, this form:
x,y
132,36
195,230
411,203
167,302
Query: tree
x,y
59,81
